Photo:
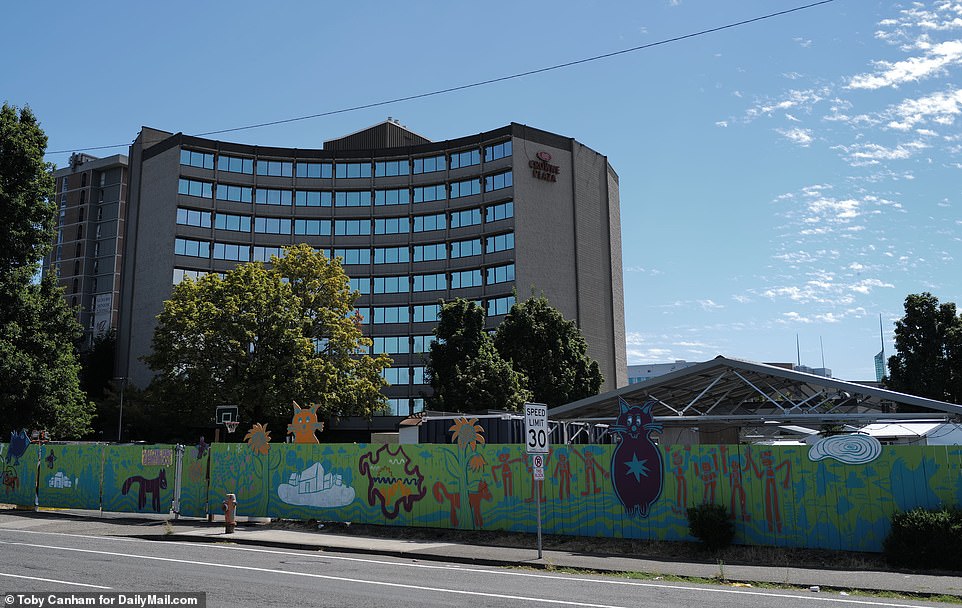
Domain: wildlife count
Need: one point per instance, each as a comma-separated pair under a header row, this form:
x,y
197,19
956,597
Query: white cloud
x,y
802,137
709,305
891,74
940,108
721,123
641,270
872,154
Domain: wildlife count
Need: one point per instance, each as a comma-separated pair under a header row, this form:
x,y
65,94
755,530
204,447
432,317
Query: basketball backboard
x,y
226,413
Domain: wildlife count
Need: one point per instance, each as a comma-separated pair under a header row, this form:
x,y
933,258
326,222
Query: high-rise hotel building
x,y
489,217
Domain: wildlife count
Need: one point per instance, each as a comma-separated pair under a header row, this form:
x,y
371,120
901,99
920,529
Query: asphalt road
x,y
38,561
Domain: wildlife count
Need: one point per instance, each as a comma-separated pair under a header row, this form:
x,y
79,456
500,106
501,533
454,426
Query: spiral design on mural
x,y
850,449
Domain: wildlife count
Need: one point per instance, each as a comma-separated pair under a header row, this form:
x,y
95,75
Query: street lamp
x,y
120,418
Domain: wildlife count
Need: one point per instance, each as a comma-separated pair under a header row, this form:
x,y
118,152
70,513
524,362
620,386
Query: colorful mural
x,y
637,481
304,424
135,478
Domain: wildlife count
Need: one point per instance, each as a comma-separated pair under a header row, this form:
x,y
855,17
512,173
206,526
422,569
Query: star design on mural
x,y
636,467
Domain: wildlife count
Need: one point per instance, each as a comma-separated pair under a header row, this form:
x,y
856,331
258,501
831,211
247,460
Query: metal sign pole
x,y
537,499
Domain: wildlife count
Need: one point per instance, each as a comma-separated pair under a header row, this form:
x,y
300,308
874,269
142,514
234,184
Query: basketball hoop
x,y
231,425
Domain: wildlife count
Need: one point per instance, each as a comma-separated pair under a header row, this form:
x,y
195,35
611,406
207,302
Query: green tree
x,y
39,385
550,351
262,338
465,370
928,345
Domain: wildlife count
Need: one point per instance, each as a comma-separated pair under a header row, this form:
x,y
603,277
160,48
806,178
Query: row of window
x,y
343,198
440,281
430,164
403,375
387,225
402,407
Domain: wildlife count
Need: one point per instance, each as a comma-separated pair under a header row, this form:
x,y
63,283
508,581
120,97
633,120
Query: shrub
x,y
710,524
925,538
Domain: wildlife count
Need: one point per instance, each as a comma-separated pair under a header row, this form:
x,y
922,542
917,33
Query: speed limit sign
x,y
536,428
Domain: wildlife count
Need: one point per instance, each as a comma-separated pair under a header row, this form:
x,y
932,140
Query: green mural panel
x,y
70,476
19,474
138,479
237,469
193,490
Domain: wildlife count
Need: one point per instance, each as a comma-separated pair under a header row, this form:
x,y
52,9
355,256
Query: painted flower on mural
x,y
466,432
259,438
477,462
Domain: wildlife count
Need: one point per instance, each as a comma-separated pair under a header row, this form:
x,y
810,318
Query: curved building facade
x,y
511,211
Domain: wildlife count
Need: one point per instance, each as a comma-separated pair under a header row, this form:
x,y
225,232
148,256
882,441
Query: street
x,y
251,576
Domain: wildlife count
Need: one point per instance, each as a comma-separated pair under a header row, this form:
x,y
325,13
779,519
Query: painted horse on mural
x,y
636,463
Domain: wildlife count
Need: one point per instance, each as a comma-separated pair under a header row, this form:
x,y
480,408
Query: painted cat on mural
x,y
636,463
147,486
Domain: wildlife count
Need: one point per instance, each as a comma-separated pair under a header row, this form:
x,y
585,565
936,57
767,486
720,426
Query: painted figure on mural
x,y
706,467
154,487
592,468
19,441
503,465
679,465
636,463
441,495
562,472
474,501
304,424
732,466
767,471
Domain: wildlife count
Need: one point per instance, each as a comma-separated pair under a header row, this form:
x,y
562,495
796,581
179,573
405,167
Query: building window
x,y
312,227
190,217
500,306
352,227
498,181
464,249
430,282
417,375
500,274
234,164
352,198
312,198
465,159
191,158
427,253
353,256
182,273
427,223
468,217
466,278
391,255
227,251
275,168
362,286
316,170
427,194
396,375
391,314
272,225
422,344
392,284
426,313
497,151
501,242
196,249
237,223
392,225
263,254
466,188
392,168
429,164
352,170
192,187
267,196
392,345
392,197
237,194
503,211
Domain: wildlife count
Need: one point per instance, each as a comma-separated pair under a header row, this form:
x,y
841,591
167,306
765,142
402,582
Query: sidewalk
x,y
252,533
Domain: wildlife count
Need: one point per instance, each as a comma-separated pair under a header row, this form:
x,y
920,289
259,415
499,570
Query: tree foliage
x,y
261,338
465,370
39,386
928,345
550,351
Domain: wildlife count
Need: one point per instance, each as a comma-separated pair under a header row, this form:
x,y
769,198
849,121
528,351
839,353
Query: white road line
x,y
53,580
500,572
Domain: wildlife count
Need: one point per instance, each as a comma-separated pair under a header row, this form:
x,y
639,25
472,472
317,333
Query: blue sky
x,y
795,176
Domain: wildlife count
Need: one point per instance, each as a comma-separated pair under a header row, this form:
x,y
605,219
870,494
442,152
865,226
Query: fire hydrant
x,y
230,511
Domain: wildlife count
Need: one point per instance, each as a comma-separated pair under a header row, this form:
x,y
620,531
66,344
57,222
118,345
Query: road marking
x,y
631,583
53,580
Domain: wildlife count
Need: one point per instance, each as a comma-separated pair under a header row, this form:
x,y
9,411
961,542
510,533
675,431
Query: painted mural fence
x,y
832,495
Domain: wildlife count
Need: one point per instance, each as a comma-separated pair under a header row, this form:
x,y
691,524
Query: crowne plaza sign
x,y
543,169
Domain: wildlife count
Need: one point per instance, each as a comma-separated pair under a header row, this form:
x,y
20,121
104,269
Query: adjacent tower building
x,y
489,217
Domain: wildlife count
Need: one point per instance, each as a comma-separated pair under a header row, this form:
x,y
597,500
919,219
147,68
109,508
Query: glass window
x,y
263,254
499,212
268,196
500,242
430,282
312,227
237,194
498,181
465,159
391,168
392,197
192,187
426,253
318,170
468,217
392,284
391,255
192,158
417,375
312,198
497,151
429,164
362,286
352,198
464,249
426,313
392,345
196,249
272,225
500,274
465,278
422,344
226,251
500,306
275,168
391,314
392,225
353,256
352,170
182,273
190,217
396,375
234,164
352,227
427,223
426,194
465,188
